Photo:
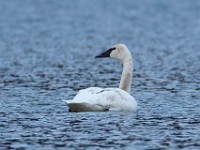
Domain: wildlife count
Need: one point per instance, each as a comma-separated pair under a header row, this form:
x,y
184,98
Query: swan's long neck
x,y
126,78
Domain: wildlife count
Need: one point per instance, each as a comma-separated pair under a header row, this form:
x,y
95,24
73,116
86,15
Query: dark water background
x,y
47,51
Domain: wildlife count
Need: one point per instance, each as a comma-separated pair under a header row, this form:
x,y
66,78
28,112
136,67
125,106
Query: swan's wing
x,y
84,95
119,100
85,101
98,99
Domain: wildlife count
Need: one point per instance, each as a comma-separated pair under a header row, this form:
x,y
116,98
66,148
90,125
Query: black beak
x,y
102,55
106,53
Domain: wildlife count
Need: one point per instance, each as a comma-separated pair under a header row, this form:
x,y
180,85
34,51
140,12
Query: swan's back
x,y
99,99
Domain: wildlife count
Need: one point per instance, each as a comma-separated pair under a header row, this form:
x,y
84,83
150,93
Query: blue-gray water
x,y
47,51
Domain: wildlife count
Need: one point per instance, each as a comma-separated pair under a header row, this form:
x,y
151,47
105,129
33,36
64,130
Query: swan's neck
x,y
126,78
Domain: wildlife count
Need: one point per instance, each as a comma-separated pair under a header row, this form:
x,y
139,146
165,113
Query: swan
x,y
108,99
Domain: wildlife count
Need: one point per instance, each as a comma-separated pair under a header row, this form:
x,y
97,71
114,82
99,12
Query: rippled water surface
x,y
47,51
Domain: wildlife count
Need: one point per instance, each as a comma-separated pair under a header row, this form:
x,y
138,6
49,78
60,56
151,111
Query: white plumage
x,y
108,99
102,99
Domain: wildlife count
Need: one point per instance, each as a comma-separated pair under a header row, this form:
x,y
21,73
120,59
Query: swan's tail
x,y
67,101
84,107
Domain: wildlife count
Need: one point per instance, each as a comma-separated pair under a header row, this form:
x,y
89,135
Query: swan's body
x,y
102,99
108,99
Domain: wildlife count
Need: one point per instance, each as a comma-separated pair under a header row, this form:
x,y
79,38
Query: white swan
x,y
108,99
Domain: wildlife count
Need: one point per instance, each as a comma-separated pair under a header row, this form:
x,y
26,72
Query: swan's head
x,y
118,51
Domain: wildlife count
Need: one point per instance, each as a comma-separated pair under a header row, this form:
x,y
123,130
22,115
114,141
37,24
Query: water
x,y
47,51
